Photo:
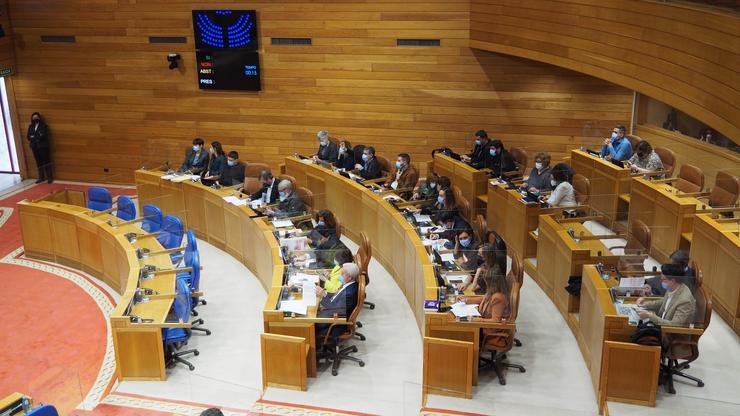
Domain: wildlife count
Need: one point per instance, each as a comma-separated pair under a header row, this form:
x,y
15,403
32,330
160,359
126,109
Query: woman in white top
x,y
563,194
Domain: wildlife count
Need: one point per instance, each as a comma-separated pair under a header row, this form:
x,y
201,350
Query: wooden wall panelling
x,y
111,102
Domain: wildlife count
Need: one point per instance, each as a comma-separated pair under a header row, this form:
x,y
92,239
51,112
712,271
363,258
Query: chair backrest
x,y
183,303
284,177
252,185
338,230
307,197
125,208
516,274
634,140
152,218
357,150
640,237
582,188
690,179
171,233
43,410
726,190
190,248
385,165
99,198
464,206
254,169
195,275
668,157
458,193
521,158
364,254
481,227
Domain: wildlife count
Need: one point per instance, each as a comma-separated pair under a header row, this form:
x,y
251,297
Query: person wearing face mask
x,y
217,161
233,173
563,194
477,157
539,177
370,167
404,177
617,147
466,250
499,160
328,151
325,218
645,160
196,159
677,307
269,192
345,156
426,188
446,202
38,138
680,257
326,245
333,281
449,224
342,303
290,204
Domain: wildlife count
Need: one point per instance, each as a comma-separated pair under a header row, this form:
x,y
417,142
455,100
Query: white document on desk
x,y
463,310
456,278
309,293
447,256
181,178
422,218
305,277
167,177
293,306
282,223
255,204
235,200
631,282
294,243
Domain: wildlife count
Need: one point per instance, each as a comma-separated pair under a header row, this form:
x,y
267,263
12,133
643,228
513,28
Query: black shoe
x,y
50,180
39,180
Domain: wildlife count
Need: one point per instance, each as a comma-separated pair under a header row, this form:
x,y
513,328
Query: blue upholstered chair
x,y
99,199
152,218
174,338
170,236
126,208
192,278
43,410
192,246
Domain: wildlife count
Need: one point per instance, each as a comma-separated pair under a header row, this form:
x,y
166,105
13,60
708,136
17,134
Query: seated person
x,y
370,167
269,192
290,204
466,250
477,157
539,177
217,161
563,194
677,307
196,159
426,188
233,173
680,257
445,202
404,177
326,218
332,282
499,160
452,223
328,151
342,303
325,244
345,156
617,147
492,258
493,306
645,160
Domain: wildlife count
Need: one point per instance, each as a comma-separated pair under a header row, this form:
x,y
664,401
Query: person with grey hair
x,y
342,303
269,191
290,204
328,150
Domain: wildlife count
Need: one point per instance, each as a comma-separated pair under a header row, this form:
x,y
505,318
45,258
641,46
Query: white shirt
x,y
563,196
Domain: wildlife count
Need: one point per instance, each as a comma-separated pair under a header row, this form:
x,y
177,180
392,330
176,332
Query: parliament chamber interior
x,y
330,207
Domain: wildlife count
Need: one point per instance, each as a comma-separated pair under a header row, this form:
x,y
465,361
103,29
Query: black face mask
x,y
641,155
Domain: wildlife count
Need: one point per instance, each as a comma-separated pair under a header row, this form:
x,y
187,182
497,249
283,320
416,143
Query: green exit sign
x,y
4,72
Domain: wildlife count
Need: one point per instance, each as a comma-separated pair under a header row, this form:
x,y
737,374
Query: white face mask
x,y
553,182
196,148
538,165
231,162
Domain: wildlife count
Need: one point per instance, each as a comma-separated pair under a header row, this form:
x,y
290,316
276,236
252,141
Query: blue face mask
x,y
615,136
664,285
231,162
477,142
492,152
320,223
196,147
342,280
322,144
440,200
398,165
282,196
365,157
341,150
337,263
465,242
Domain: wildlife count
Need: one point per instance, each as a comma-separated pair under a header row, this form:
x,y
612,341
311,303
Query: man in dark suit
x,y
326,244
328,151
290,204
341,303
196,159
233,173
499,159
477,157
269,191
370,167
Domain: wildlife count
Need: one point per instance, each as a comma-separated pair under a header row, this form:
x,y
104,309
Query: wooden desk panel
x,y
608,181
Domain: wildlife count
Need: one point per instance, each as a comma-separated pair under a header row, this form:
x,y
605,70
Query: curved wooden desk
x,y
70,235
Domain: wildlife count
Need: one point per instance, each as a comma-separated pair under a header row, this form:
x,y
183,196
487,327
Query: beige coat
x,y
681,309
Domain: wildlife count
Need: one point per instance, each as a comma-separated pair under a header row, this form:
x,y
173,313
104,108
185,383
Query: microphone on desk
x,y
131,237
142,253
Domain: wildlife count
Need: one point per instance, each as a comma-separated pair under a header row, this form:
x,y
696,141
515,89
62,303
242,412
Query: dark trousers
x,y
43,162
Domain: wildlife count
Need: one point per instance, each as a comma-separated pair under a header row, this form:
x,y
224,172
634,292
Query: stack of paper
x,y
181,178
294,243
456,278
447,256
422,218
305,277
294,306
309,293
167,177
631,282
255,204
235,200
463,310
282,223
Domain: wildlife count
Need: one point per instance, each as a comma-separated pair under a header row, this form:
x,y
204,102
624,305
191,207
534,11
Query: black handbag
x,y
647,333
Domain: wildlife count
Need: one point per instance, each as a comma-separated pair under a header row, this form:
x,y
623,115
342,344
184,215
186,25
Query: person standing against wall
x,y
38,137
